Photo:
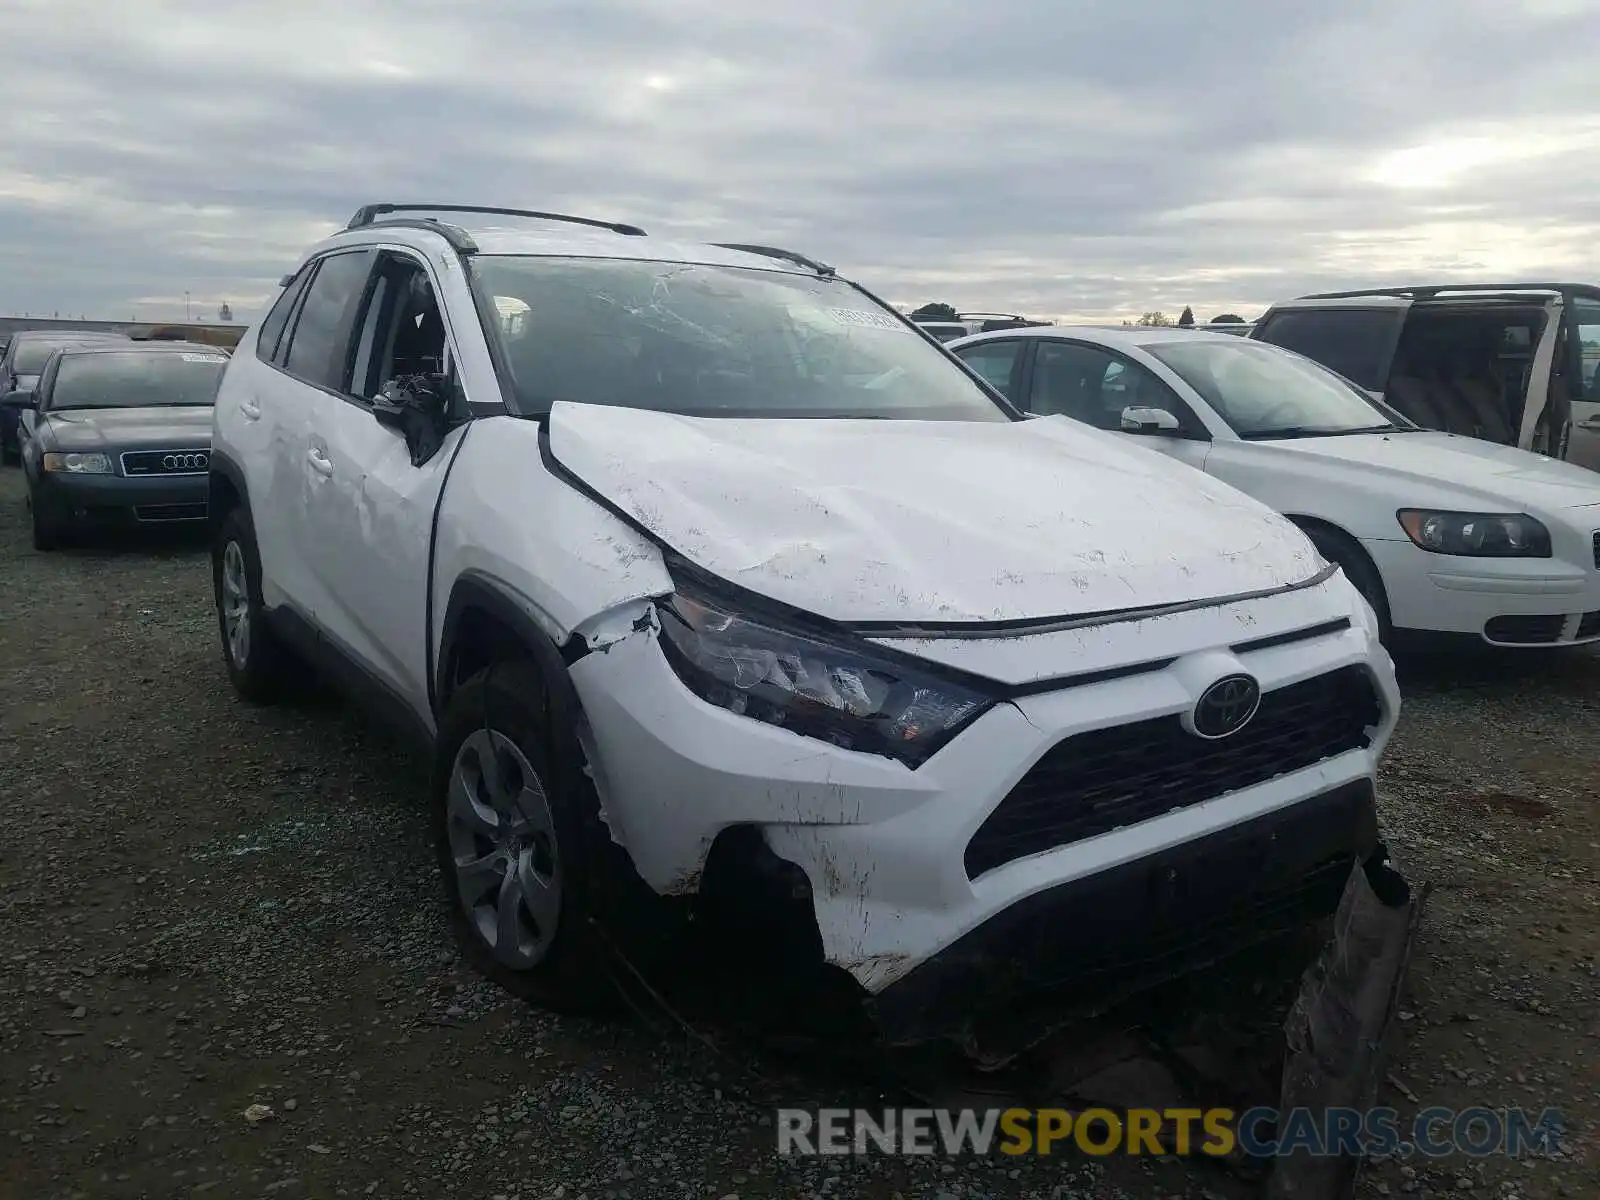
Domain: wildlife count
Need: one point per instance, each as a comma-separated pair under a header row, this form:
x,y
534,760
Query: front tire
x,y
260,667
518,848
48,533
1344,552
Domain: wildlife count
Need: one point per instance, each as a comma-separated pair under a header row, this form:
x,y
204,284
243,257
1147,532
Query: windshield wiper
x,y
1308,431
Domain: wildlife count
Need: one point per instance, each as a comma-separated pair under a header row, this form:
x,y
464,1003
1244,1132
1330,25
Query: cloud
x,y
1083,160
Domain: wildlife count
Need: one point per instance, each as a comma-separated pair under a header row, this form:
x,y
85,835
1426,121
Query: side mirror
x,y
19,400
1148,420
420,408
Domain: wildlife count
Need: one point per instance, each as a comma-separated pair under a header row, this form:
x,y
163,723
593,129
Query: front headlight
x,y
1476,535
839,695
78,464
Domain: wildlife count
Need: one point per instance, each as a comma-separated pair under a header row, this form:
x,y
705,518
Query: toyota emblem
x,y
195,461
1226,707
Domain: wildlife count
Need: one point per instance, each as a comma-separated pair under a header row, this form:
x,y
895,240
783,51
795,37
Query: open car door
x,y
1355,338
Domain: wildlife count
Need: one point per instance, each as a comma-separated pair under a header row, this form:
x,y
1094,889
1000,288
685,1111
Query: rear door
x,y
1584,448
1001,363
1357,341
256,417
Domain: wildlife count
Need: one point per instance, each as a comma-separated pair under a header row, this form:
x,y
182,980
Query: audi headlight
x,y
78,464
1477,535
812,687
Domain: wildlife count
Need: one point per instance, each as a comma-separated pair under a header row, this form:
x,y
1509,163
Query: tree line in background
x,y
939,311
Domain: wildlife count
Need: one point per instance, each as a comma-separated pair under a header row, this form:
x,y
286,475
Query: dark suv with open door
x,y
1509,363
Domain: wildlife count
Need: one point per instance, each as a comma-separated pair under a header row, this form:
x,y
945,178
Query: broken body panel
x,y
845,520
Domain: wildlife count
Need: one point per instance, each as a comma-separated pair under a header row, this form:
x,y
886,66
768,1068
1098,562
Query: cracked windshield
x,y
716,341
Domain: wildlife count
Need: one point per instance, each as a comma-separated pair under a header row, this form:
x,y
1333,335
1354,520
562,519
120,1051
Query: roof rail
x,y
1428,291
774,252
460,240
368,213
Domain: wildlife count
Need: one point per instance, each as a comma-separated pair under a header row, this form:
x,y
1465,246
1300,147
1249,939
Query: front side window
x,y
706,340
1092,385
137,379
1355,342
321,333
1262,392
401,332
996,362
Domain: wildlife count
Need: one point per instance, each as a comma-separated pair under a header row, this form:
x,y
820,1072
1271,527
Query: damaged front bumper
x,y
913,893
1080,946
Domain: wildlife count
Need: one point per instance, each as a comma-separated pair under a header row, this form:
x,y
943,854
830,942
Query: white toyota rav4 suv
x,y
702,571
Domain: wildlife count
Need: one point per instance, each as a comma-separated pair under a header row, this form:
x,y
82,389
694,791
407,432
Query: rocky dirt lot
x,y
206,907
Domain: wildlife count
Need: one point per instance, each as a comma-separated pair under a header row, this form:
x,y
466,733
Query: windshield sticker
x,y
205,358
863,319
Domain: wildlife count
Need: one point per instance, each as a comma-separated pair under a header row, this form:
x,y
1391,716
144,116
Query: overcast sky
x,y
1069,159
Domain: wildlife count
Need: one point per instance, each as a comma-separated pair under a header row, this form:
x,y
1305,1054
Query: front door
x,y
1584,448
372,532
1098,387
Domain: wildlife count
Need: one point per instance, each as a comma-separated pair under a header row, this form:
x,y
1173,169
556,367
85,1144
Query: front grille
x,y
1092,783
136,463
1589,625
1206,931
1525,631
170,512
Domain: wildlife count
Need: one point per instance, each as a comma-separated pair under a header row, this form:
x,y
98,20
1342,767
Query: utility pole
x,y
188,314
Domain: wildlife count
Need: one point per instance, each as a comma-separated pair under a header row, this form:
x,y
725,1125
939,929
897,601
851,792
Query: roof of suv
x,y
475,230
1440,293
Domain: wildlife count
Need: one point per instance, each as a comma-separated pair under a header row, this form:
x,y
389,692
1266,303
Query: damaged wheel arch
x,y
484,624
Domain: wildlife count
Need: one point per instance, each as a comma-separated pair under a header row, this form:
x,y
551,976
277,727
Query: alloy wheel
x,y
503,849
235,604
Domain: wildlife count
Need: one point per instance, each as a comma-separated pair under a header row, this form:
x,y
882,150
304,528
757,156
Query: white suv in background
x,y
705,575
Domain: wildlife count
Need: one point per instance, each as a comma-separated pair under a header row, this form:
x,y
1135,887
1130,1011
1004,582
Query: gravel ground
x,y
206,907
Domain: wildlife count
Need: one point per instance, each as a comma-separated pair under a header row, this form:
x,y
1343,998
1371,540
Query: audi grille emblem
x,y
1226,707
186,462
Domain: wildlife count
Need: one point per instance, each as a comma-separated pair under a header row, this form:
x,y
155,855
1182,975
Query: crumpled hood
x,y
1511,477
156,428
930,521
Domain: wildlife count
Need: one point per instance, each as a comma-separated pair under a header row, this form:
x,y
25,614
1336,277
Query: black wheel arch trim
x,y
221,463
562,710
474,589
1307,523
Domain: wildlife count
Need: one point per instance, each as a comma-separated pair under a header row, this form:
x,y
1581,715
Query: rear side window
x,y
996,362
278,316
1355,342
320,341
